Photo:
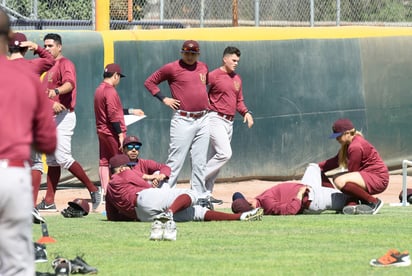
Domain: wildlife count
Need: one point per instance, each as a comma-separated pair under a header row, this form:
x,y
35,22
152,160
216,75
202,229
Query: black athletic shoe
x,y
376,206
80,266
215,200
205,202
40,253
37,218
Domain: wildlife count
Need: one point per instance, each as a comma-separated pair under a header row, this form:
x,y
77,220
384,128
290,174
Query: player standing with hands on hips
x,y
189,127
61,88
366,174
225,97
23,104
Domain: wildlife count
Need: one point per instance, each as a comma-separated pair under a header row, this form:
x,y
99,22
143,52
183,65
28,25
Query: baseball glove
x,y
71,212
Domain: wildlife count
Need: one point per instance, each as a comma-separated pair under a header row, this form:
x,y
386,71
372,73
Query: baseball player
x,y
152,171
23,104
366,173
61,89
18,47
292,198
130,198
189,127
110,125
225,98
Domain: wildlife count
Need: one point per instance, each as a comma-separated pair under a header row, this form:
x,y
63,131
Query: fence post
x,y
257,13
337,12
312,13
102,15
235,13
202,13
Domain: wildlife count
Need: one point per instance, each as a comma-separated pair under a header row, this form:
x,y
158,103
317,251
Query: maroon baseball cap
x,y
114,68
80,204
119,160
16,39
190,46
241,205
131,140
340,126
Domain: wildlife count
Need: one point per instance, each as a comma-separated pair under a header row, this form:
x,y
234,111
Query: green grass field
x,y
326,244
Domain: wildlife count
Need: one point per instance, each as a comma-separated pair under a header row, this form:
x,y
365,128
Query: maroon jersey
x,y
187,83
25,113
122,193
37,65
281,199
225,93
108,109
150,166
62,71
365,159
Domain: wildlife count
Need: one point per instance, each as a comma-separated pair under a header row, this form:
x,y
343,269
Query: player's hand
x,y
172,103
249,119
29,44
138,112
121,139
51,93
58,107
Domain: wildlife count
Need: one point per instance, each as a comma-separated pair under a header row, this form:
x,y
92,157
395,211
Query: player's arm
x,y
133,111
152,85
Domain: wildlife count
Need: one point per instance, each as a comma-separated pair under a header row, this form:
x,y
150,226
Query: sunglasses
x,y
131,146
191,49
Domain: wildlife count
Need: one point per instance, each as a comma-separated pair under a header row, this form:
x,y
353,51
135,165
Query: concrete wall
x,y
297,81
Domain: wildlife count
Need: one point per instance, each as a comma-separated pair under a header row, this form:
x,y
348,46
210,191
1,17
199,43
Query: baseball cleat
x,y
164,217
392,258
255,214
361,209
61,266
40,253
37,218
43,206
156,234
79,265
215,200
170,231
376,206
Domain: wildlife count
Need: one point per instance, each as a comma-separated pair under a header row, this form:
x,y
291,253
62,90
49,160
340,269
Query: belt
x,y
194,115
7,163
227,117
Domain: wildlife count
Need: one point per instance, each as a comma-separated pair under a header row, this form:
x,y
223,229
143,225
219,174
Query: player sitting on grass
x,y
130,198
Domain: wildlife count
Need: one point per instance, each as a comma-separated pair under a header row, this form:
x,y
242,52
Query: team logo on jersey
x,y
236,84
202,78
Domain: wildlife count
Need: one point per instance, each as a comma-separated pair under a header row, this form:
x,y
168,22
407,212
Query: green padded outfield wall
x,y
297,82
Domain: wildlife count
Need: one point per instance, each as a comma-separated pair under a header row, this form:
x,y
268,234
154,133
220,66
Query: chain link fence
x,y
146,14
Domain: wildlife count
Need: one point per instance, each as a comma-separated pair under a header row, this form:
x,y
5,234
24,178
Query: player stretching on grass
x,y
293,198
130,198
366,174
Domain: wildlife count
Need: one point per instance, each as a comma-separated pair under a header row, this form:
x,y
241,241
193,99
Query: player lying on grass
x,y
293,198
131,198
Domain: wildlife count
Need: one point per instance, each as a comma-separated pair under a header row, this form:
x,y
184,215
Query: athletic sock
x,y
53,177
104,175
35,183
180,203
215,216
357,191
78,172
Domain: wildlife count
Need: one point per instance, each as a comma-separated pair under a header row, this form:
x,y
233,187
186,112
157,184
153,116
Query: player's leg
x,y
312,176
354,185
16,244
200,145
221,151
36,173
108,147
181,136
